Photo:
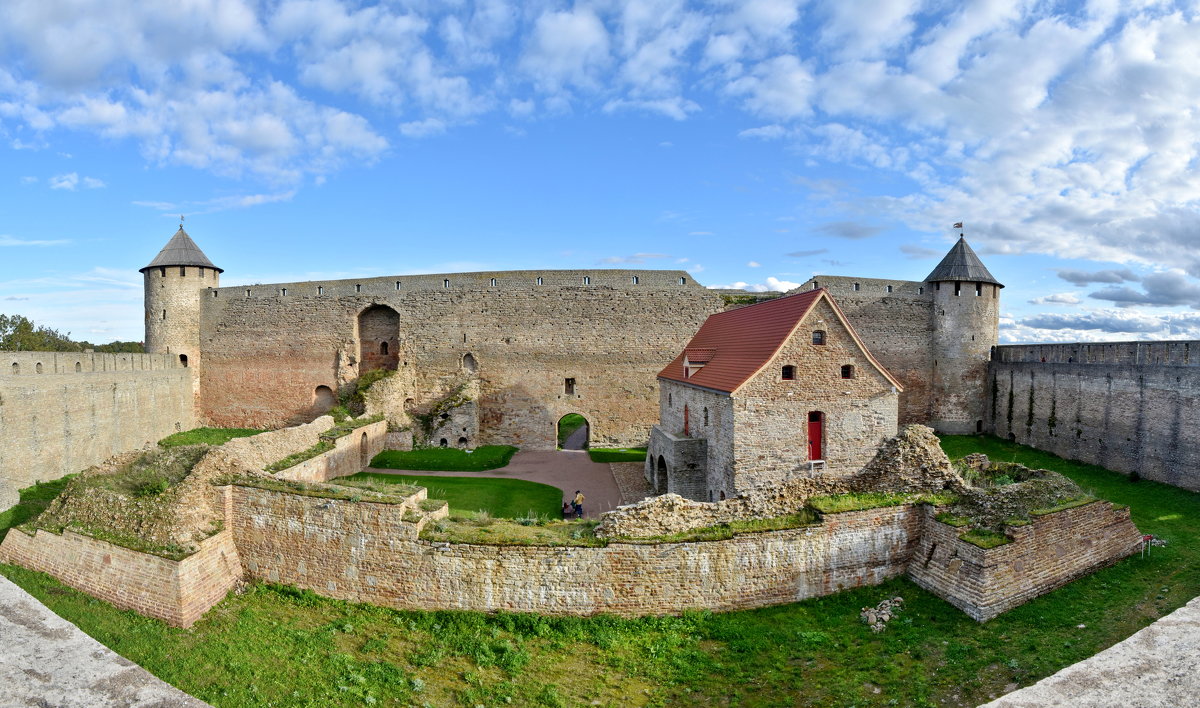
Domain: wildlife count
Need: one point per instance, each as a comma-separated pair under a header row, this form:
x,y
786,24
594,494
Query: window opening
x,y
635,280
539,281
247,292
978,289
569,387
857,287
164,314
182,271
183,360
493,282
37,367
848,371
283,291
686,422
78,367
587,280
706,417
818,336
397,284
789,373
320,290
162,272
683,281
889,288
16,368
445,284
357,288
814,285
383,347
921,291
214,292
957,288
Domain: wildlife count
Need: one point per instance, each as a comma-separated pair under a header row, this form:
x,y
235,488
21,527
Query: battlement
x,y
842,287
1170,353
33,363
487,280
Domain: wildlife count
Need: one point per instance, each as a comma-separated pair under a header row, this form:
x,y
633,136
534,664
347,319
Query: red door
x,y
816,433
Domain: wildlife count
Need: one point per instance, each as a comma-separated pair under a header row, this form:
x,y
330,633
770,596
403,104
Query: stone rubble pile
x,y
878,616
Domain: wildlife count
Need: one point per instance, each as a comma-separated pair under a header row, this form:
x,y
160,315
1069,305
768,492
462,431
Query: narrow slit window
x,y
857,287
539,281
445,282
957,288
788,373
214,293
635,280
397,284
921,291
283,291
183,271
493,282
815,285
383,347
706,417
978,289
889,288
357,288
569,387
320,290
683,281
162,272
164,314
587,280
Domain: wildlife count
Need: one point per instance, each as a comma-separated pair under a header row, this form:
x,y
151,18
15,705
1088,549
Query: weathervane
x,y
958,226
181,221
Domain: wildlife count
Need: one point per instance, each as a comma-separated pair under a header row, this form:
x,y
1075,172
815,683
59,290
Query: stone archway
x,y
378,338
660,476
573,431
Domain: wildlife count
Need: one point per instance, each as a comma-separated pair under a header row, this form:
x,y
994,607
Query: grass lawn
x,y
446,459
207,436
277,646
505,498
568,424
617,454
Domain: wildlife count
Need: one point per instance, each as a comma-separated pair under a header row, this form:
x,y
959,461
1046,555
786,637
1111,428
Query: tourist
x,y
577,504
568,507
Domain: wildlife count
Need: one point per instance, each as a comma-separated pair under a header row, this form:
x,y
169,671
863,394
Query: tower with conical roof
x,y
174,282
966,318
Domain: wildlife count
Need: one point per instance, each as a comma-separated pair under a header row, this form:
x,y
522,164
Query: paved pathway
x,y
577,440
46,661
568,470
1158,666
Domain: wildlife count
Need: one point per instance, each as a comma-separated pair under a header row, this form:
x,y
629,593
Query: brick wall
x,y
897,326
1128,406
61,412
366,552
177,592
1046,554
351,453
264,355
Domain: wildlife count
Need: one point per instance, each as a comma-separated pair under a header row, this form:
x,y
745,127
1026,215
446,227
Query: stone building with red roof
x,y
767,392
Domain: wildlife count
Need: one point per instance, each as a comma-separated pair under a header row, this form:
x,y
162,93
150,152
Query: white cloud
x,y
422,128
754,264
771,284
567,48
67,181
1056,299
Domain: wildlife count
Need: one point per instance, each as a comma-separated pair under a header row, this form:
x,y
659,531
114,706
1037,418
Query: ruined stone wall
x,y
61,412
895,320
287,538
1128,406
177,592
1048,553
771,414
351,454
265,351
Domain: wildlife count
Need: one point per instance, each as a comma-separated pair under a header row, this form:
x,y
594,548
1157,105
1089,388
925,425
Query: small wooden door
x,y
816,434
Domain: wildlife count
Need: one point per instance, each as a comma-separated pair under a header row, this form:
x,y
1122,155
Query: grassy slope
x,y
208,436
507,498
274,646
446,459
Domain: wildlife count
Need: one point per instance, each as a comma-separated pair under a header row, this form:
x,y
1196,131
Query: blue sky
x,y
753,144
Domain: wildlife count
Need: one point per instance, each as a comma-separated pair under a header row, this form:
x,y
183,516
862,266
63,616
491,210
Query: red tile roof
x,y
736,344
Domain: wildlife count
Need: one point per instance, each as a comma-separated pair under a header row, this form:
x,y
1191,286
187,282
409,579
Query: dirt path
x,y
568,470
577,440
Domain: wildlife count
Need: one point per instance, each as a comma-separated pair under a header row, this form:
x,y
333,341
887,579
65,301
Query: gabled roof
x,y
961,263
181,250
737,344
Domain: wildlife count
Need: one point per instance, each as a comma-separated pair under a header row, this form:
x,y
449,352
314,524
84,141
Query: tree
x,y
19,333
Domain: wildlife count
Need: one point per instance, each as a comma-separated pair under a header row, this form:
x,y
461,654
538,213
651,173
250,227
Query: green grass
x,y
34,501
568,424
617,454
857,501
505,498
207,436
985,538
277,646
446,459
297,457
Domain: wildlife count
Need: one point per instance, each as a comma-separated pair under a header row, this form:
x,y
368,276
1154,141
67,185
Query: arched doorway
x,y
323,400
573,432
364,454
378,338
660,476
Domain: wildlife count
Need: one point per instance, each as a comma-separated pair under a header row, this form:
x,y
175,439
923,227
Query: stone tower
x,y
174,283
966,317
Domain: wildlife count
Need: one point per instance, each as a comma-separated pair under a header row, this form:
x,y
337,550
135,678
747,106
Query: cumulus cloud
x,y
1084,278
753,264
1165,289
1056,299
771,284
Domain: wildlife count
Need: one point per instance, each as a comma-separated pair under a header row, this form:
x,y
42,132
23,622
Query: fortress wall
x,y
82,409
361,552
265,355
177,592
350,455
1126,406
897,327
1048,553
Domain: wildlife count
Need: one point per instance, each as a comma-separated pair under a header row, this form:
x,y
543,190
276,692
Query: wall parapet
x,y
32,363
1169,353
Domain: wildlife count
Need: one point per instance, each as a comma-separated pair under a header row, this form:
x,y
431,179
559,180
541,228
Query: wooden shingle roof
x,y
181,250
735,345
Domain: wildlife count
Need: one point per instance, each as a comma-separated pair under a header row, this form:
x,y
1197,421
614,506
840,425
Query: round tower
x,y
966,318
174,283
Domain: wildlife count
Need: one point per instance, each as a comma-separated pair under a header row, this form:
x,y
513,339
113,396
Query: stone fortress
x,y
484,358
